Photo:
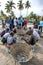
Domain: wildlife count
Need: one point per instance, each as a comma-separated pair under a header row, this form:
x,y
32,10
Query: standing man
x,y
41,24
20,22
10,23
15,22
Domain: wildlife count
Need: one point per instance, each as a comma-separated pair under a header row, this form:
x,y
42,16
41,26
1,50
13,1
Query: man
x,y
31,37
41,24
4,31
15,22
37,29
10,23
25,23
10,40
35,33
20,22
4,37
34,36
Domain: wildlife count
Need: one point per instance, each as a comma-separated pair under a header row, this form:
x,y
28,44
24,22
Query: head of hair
x,y
30,28
12,33
36,19
23,18
30,32
7,30
16,18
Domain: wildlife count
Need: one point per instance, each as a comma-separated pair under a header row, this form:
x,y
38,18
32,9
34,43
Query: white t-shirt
x,y
36,34
10,39
6,35
15,22
36,30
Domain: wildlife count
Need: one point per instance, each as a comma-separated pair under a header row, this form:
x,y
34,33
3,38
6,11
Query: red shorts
x,y
9,46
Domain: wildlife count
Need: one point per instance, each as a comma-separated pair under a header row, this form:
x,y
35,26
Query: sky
x,y
36,7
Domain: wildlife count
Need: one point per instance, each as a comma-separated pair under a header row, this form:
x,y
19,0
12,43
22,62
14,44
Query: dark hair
x,y
30,32
14,30
36,19
16,18
7,30
23,18
12,33
29,27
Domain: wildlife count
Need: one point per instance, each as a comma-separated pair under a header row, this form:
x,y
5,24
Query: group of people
x,y
7,37
11,26
15,22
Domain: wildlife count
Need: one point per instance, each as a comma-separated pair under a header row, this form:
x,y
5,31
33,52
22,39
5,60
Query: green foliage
x,y
2,15
27,5
9,6
20,6
33,16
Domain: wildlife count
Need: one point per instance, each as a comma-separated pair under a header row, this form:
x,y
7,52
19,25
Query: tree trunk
x,y
27,12
20,13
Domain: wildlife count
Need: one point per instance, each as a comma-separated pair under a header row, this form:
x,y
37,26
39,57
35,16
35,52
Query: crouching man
x,y
10,40
34,37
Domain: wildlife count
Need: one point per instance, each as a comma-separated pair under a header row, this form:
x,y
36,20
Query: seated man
x,y
34,37
4,31
11,39
35,33
4,38
36,29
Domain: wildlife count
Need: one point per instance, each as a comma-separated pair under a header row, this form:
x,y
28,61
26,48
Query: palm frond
x,y
8,2
20,5
27,5
9,6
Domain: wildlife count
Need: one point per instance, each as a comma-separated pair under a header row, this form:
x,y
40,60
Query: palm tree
x,y
20,6
33,15
9,6
12,14
27,5
3,15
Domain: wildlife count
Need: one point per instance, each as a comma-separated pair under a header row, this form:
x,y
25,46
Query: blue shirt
x,y
10,21
20,21
41,23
